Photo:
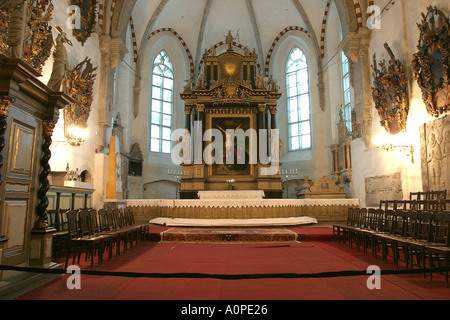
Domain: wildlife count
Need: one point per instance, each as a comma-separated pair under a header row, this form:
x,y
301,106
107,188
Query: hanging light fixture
x,y
76,136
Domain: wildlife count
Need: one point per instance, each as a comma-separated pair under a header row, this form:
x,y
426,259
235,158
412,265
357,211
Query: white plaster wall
x,y
399,30
314,162
156,166
77,157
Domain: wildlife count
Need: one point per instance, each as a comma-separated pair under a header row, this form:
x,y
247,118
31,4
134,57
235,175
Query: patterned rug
x,y
201,235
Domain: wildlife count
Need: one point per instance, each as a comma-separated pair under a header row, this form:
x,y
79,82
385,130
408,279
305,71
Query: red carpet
x,y
299,258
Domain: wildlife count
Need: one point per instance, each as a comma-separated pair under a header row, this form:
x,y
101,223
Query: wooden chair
x,y
114,224
94,226
340,230
105,228
59,238
387,230
79,239
423,237
375,220
440,253
401,243
127,223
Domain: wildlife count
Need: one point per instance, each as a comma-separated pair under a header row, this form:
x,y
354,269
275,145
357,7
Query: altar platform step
x,y
228,235
305,233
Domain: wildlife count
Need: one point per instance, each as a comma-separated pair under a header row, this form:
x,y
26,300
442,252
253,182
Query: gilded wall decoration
x,y
390,93
25,32
79,86
431,62
435,154
88,14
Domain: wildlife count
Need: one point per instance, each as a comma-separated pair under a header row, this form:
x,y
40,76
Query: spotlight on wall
x,y
408,151
76,136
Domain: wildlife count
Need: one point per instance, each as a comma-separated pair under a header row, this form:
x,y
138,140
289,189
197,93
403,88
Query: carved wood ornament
x,y
88,15
79,86
36,48
431,62
390,93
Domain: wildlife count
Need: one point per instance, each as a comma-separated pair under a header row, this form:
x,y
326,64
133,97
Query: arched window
x,y
347,93
162,104
299,106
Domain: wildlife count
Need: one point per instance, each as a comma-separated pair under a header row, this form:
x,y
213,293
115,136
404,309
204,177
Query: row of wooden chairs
x,y
93,232
431,205
428,195
421,235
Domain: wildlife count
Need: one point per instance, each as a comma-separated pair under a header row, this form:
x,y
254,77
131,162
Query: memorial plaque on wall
x,y
387,187
435,154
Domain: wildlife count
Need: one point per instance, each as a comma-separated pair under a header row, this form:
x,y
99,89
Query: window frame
x,y
299,95
346,92
158,115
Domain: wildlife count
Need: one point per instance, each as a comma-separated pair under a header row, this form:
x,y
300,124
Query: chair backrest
x,y
84,223
388,221
72,224
424,228
438,195
115,215
130,216
94,223
53,219
103,220
419,196
399,223
378,220
350,214
442,226
356,217
411,224
364,220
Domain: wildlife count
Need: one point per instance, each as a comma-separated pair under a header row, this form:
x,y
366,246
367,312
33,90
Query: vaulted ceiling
x,y
201,24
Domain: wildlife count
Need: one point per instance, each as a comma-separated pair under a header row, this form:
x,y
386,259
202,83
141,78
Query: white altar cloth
x,y
242,203
232,195
277,222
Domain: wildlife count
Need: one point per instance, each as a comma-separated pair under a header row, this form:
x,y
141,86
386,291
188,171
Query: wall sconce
x,y
76,136
408,151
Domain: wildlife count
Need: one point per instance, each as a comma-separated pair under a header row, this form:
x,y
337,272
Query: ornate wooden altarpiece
x,y
230,93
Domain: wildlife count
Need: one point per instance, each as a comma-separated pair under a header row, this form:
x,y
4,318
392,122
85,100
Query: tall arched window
x,y
299,106
162,104
347,93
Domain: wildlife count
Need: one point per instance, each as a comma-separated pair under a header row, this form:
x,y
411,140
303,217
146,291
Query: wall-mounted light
x,y
76,136
408,151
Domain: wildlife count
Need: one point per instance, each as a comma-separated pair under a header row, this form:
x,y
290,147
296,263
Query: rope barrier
x,y
223,276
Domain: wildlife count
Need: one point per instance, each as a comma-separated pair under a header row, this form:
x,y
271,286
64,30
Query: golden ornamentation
x,y
390,93
5,103
432,63
79,86
38,47
49,126
88,12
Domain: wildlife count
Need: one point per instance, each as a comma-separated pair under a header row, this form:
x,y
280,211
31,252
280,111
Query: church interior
x,y
224,138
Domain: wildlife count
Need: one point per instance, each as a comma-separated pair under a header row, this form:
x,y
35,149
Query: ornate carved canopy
x,y
88,15
79,86
390,93
431,63
35,17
